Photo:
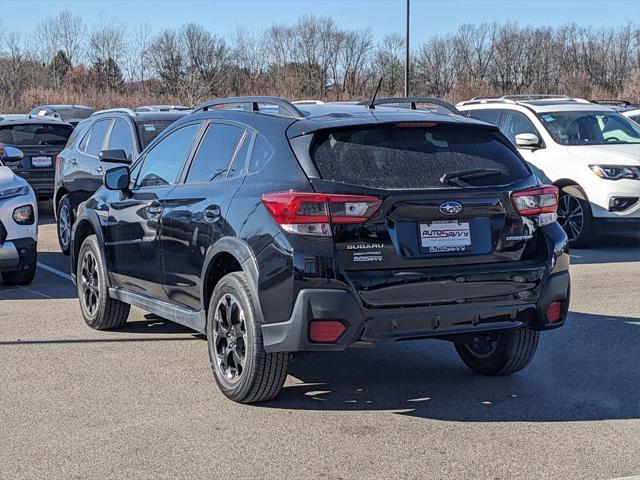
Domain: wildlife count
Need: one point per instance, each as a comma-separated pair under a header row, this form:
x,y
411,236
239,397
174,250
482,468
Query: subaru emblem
x,y
450,208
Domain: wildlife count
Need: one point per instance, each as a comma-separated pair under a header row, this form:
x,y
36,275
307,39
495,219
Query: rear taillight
x,y
58,160
313,213
539,202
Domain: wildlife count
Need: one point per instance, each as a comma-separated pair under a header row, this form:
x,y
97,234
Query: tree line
x,y
108,65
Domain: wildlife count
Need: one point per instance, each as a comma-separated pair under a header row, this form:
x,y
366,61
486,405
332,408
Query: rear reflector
x,y
541,202
326,331
312,213
554,311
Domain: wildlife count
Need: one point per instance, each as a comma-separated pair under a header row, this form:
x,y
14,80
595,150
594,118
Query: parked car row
x,y
275,227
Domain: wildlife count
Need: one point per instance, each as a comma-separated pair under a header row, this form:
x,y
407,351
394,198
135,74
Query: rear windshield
x,y
399,157
150,129
35,134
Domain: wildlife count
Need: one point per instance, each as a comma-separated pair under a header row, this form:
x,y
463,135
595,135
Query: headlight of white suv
x,y
13,192
616,172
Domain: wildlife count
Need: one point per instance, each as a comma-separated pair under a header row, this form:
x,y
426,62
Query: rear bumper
x,y
368,325
40,179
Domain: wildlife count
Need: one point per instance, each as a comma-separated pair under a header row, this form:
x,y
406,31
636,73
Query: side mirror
x,y
11,154
114,156
117,178
527,140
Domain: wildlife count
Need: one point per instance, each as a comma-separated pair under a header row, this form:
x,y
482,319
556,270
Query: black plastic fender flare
x,y
243,253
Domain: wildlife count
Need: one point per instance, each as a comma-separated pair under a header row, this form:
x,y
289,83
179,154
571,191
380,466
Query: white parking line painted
x,y
55,271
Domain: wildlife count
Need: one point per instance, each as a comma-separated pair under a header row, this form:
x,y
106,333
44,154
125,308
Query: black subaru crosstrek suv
x,y
107,138
274,228
41,139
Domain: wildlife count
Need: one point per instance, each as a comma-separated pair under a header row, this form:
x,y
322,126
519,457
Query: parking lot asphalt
x,y
141,402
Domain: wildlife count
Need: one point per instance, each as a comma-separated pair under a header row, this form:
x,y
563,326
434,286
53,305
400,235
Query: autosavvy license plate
x,y
451,236
41,161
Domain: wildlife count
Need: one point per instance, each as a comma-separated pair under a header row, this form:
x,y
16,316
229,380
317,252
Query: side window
x,y
163,163
489,116
515,123
120,138
96,137
215,153
261,154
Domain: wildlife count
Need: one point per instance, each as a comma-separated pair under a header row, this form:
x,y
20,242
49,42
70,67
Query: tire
x,y
99,311
65,219
579,228
23,276
244,372
503,353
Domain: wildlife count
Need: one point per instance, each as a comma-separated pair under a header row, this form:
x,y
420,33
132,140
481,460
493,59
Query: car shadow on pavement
x,y
616,250
155,325
588,370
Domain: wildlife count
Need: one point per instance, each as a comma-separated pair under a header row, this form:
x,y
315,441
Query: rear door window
x,y
415,157
97,137
215,153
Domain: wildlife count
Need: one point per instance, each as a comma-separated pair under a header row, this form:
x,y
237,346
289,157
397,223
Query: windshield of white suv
x,y
590,128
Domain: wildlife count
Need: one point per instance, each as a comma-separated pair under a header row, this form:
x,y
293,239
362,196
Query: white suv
x,y
18,224
589,151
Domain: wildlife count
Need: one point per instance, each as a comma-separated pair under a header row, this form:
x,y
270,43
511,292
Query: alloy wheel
x,y
64,225
230,338
570,215
90,283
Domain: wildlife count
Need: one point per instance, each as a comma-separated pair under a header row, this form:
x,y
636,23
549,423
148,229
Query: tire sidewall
x,y
585,236
64,202
231,284
91,244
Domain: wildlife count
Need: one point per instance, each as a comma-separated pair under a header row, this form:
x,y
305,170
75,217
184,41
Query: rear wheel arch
x,y
61,192
227,255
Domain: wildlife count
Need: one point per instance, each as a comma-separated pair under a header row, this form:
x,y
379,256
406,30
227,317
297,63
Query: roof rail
x,y
620,103
253,102
308,102
412,101
478,100
535,96
114,110
161,108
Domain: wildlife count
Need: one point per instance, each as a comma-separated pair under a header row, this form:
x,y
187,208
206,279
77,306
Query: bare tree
x,y
389,63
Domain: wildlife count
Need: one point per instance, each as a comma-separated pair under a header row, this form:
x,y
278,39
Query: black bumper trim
x,y
407,323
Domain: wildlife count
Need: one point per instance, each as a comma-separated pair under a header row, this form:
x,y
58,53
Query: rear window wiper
x,y
460,177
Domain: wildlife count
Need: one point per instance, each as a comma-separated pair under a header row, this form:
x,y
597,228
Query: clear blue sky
x,y
381,16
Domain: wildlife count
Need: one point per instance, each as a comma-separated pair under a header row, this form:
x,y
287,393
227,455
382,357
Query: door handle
x,y
99,169
212,214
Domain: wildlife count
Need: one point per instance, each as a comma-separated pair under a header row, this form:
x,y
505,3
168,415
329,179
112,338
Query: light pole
x,y
406,53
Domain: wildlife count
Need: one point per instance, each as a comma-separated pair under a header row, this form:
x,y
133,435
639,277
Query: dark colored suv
x,y
274,229
40,138
107,138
